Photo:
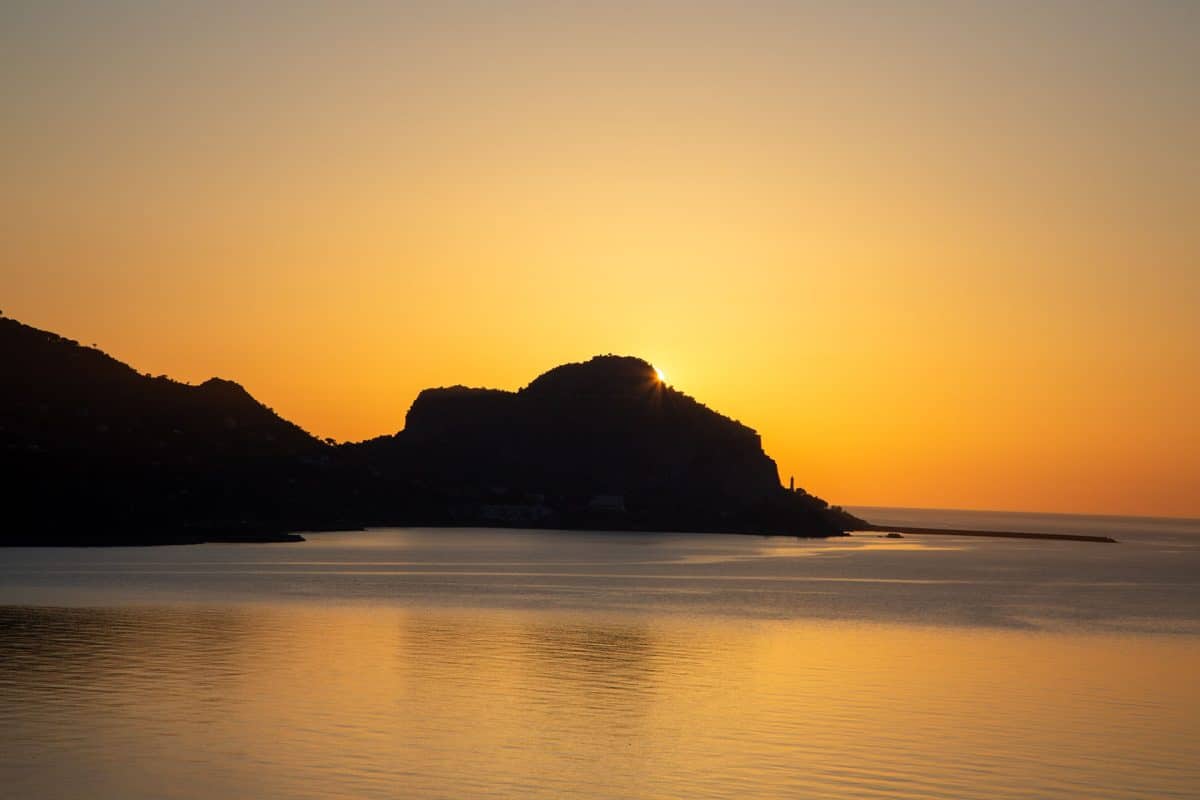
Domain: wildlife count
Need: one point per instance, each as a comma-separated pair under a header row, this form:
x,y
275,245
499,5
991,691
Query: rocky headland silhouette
x,y
97,453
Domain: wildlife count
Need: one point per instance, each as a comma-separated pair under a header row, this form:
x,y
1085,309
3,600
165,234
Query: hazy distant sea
x,y
489,663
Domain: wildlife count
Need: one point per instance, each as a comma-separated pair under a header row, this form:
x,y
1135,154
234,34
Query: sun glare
x,y
662,376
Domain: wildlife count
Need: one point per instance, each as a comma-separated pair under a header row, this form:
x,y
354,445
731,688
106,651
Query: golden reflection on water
x,y
303,702
778,549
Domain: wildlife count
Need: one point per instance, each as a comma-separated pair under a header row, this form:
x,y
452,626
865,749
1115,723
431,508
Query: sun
x,y
662,376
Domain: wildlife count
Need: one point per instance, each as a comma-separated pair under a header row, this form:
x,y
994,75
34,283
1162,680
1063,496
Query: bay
x,y
504,663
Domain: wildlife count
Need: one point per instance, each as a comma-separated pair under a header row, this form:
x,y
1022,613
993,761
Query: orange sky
x,y
937,255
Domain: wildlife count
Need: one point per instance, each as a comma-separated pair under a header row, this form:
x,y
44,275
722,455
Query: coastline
x,y
248,533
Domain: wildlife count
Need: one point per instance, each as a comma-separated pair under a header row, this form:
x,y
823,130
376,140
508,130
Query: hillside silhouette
x,y
95,452
609,426
98,453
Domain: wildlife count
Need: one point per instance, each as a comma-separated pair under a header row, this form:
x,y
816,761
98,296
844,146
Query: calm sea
x,y
486,663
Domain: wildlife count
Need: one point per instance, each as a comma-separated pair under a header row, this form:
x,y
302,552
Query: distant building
x,y
516,513
608,503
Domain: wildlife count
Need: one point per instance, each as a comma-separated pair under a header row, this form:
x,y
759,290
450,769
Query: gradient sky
x,y
938,254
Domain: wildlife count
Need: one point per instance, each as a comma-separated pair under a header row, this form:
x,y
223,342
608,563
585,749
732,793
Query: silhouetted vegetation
x,y
96,453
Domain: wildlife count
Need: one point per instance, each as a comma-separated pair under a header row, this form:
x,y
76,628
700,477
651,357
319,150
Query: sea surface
x,y
465,663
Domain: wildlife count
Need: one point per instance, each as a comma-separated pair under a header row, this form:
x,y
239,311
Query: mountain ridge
x,y
602,443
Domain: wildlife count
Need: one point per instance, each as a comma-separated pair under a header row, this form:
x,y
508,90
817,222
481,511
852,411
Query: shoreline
x,y
294,535
255,534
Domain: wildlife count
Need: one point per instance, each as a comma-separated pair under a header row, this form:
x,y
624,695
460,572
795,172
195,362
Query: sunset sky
x,y
937,254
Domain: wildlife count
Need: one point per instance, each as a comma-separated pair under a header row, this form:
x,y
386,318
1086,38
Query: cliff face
x,y
605,426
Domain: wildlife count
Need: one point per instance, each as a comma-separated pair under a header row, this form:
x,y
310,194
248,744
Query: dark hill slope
x,y
56,394
90,447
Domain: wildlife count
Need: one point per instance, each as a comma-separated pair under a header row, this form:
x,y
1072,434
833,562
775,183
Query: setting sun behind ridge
x,y
662,376
972,291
